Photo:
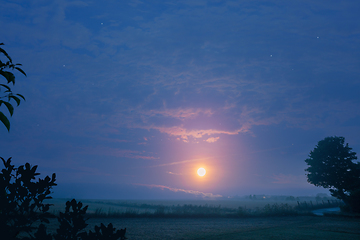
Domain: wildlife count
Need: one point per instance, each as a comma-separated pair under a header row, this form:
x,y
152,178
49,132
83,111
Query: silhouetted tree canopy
x,y
21,198
331,165
6,93
23,211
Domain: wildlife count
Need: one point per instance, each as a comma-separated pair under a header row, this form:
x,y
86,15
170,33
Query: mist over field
x,y
118,191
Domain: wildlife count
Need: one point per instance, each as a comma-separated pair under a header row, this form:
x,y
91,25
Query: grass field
x,y
116,208
120,205
299,227
250,227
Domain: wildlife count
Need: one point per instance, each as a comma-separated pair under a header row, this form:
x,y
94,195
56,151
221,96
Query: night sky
x,y
127,99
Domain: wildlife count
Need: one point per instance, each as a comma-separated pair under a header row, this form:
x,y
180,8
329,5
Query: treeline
x,y
309,206
319,198
206,211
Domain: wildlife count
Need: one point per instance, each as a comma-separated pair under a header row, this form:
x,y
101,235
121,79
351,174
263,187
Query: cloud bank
x,y
197,193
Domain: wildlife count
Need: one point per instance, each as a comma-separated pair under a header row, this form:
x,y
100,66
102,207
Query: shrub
x,y
21,199
21,207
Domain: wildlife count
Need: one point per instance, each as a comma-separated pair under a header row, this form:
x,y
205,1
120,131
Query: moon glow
x,y
201,172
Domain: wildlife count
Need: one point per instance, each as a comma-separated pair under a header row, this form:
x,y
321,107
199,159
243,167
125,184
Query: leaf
x,y
5,53
5,121
20,70
9,76
21,96
16,99
7,87
33,169
9,107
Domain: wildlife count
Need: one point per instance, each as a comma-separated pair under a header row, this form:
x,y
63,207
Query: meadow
x,y
199,208
258,224
298,227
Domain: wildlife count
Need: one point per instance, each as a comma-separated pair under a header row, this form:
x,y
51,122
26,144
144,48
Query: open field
x,y
299,227
255,226
120,205
102,208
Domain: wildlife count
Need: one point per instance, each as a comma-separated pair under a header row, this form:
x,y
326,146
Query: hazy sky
x,y
127,99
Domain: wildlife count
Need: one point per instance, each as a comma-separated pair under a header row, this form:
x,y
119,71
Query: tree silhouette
x,y
22,207
331,166
21,199
6,93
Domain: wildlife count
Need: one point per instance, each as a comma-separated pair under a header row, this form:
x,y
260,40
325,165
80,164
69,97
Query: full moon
x,y
201,172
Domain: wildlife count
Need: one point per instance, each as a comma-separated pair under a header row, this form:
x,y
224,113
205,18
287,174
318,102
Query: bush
x,y
22,207
21,199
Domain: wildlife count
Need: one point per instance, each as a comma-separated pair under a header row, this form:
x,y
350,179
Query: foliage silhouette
x,y
331,166
22,207
6,93
106,233
21,198
72,223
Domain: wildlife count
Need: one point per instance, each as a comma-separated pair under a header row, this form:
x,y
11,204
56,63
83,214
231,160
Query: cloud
x,y
174,173
176,163
180,113
184,134
202,63
197,193
212,139
242,121
182,162
143,157
106,151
